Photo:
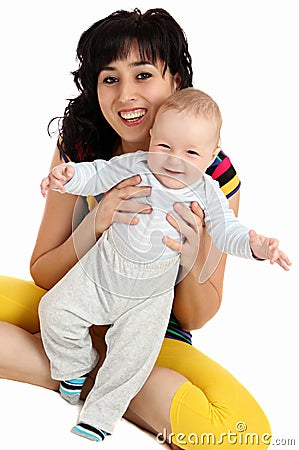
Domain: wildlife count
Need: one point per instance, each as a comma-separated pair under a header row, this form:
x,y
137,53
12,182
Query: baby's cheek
x,y
156,161
193,174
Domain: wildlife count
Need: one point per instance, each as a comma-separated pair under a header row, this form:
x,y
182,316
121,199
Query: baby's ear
x,y
216,151
214,154
150,132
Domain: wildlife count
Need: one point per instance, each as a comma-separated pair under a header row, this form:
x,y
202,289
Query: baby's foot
x,y
89,432
70,390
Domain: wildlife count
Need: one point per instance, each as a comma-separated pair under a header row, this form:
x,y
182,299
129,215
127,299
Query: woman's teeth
x,y
132,115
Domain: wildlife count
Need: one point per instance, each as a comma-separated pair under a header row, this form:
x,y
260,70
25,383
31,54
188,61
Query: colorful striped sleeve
x,y
224,172
63,155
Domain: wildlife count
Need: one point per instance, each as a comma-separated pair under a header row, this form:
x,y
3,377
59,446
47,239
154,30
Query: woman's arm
x,y
58,247
54,253
195,303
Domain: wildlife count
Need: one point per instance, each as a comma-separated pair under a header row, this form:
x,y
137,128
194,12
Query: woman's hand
x,y
191,227
116,205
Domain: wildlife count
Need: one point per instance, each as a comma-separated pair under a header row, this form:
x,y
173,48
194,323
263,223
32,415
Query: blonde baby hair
x,y
194,101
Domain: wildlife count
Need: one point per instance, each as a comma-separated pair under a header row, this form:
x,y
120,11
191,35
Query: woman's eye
x,y
144,76
110,80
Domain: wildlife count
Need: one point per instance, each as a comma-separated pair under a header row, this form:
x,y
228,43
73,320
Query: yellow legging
x,y
211,410
19,301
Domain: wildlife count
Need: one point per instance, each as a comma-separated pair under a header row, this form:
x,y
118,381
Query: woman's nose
x,y
127,92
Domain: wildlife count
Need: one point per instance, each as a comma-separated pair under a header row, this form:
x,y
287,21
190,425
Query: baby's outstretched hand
x,y
57,178
267,248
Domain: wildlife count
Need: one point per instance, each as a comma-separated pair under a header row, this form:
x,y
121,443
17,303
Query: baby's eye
x,y
144,75
110,80
165,146
192,152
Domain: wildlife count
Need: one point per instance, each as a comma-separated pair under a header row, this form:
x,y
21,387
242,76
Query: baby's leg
x,y
66,313
135,338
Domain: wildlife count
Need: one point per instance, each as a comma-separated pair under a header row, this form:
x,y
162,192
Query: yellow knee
x,y
196,422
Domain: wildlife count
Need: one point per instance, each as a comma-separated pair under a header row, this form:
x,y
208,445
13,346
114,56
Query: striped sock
x,y
70,390
89,432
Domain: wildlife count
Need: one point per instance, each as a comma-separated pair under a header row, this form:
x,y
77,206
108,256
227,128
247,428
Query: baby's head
x,y
185,137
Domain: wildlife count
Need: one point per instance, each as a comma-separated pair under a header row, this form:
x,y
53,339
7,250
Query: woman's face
x,y
130,91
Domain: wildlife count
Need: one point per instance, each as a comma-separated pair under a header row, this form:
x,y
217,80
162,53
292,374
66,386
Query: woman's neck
x,y
128,147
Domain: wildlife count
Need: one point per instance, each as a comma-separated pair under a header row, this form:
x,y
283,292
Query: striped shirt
x,y
144,242
223,171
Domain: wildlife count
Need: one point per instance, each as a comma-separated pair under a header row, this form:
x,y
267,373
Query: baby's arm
x,y
233,238
94,177
267,248
57,178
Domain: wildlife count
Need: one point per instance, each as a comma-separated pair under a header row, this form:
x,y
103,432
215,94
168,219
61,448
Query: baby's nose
x,y
175,161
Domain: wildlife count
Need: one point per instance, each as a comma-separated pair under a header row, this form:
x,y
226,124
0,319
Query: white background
x,y
245,54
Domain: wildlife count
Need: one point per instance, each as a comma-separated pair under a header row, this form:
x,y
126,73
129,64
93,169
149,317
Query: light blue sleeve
x,y
97,177
225,229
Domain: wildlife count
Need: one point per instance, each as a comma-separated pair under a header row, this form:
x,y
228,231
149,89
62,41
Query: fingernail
x,y
178,205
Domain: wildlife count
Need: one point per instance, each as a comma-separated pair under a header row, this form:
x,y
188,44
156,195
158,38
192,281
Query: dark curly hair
x,y
84,132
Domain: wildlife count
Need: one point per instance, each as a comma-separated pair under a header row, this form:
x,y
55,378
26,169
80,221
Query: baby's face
x,y
182,147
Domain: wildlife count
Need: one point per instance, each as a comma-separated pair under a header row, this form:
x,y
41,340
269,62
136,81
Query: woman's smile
x,y
131,117
130,91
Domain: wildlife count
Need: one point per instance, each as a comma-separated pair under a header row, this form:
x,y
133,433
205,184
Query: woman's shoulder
x,y
225,173
63,155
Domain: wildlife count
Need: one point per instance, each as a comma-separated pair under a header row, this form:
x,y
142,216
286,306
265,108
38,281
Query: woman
x,y
128,64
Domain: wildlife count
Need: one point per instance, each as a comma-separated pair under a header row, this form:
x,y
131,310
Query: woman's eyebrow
x,y
141,63
133,64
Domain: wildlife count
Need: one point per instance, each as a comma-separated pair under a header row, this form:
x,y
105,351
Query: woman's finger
x,y
196,209
181,226
134,207
124,218
133,181
132,192
188,216
130,187
172,244
185,227
115,205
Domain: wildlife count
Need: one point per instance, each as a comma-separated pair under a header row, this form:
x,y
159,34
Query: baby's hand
x,y
267,248
57,178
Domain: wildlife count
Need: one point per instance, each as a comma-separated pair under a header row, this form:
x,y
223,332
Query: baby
x,y
127,278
